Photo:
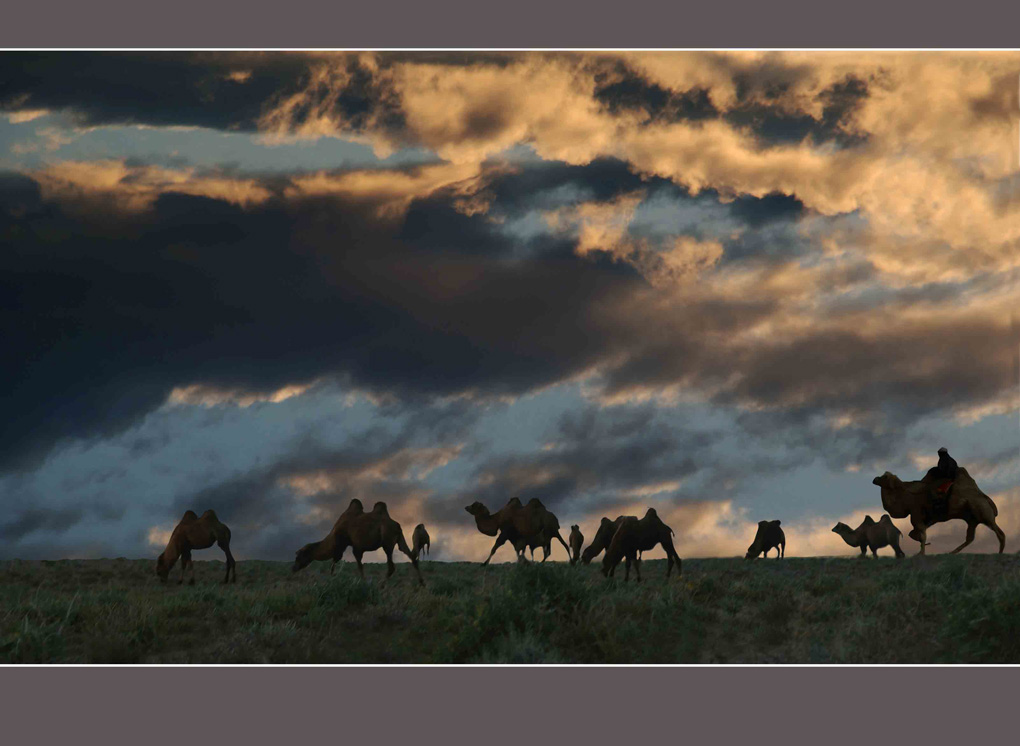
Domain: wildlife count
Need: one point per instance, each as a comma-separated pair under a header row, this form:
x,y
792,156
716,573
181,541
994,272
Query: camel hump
x,y
355,506
380,508
885,519
651,512
209,515
189,515
535,503
776,523
420,527
868,520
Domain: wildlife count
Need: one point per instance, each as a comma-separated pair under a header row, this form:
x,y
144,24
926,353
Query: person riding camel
x,y
943,475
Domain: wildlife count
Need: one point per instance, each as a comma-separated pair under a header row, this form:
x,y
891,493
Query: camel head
x,y
162,568
601,539
303,557
842,529
478,510
887,480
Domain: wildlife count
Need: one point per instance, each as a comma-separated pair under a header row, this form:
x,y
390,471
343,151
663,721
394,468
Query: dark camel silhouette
x,y
366,532
769,536
871,535
521,525
576,541
914,500
195,533
327,549
420,540
603,537
636,535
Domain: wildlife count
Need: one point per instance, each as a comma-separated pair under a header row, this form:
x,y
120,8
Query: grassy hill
x,y
937,609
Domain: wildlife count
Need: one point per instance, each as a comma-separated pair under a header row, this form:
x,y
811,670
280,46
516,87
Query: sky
x,y
730,286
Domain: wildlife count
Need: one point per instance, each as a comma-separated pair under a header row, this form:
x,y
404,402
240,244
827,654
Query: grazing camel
x,y
576,541
521,525
769,536
966,502
329,548
366,532
872,535
603,537
195,533
420,540
636,535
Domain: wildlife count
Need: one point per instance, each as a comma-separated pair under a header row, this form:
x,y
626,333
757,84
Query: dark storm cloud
x,y
186,89
107,312
772,126
619,88
593,455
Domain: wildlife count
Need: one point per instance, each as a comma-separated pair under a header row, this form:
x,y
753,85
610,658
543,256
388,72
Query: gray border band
x,y
522,23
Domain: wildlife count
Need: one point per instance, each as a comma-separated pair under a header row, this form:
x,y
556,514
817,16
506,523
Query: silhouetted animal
x,y
966,502
364,532
518,524
329,548
420,540
603,537
636,535
769,536
195,533
871,535
576,540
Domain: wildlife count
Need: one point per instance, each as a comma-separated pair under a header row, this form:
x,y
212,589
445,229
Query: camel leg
x,y
230,564
874,552
896,547
500,541
672,556
185,561
361,569
390,567
864,551
637,569
971,529
999,535
783,545
626,575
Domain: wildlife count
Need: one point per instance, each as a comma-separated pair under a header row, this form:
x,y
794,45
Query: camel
x,y
966,502
603,537
362,532
420,539
327,549
635,535
522,525
576,540
872,535
195,533
769,536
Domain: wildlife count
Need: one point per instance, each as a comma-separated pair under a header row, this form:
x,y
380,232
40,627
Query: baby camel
x,y
576,541
420,540
871,535
195,533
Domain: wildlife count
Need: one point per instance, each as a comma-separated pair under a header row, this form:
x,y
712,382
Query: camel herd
x,y
531,526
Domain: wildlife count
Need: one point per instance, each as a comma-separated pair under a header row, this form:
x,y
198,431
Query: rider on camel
x,y
943,476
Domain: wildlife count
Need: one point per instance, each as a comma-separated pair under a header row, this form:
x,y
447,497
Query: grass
x,y
938,609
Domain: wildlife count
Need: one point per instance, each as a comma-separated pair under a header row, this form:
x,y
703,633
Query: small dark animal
x,y
871,535
420,540
195,533
576,541
769,536
639,535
